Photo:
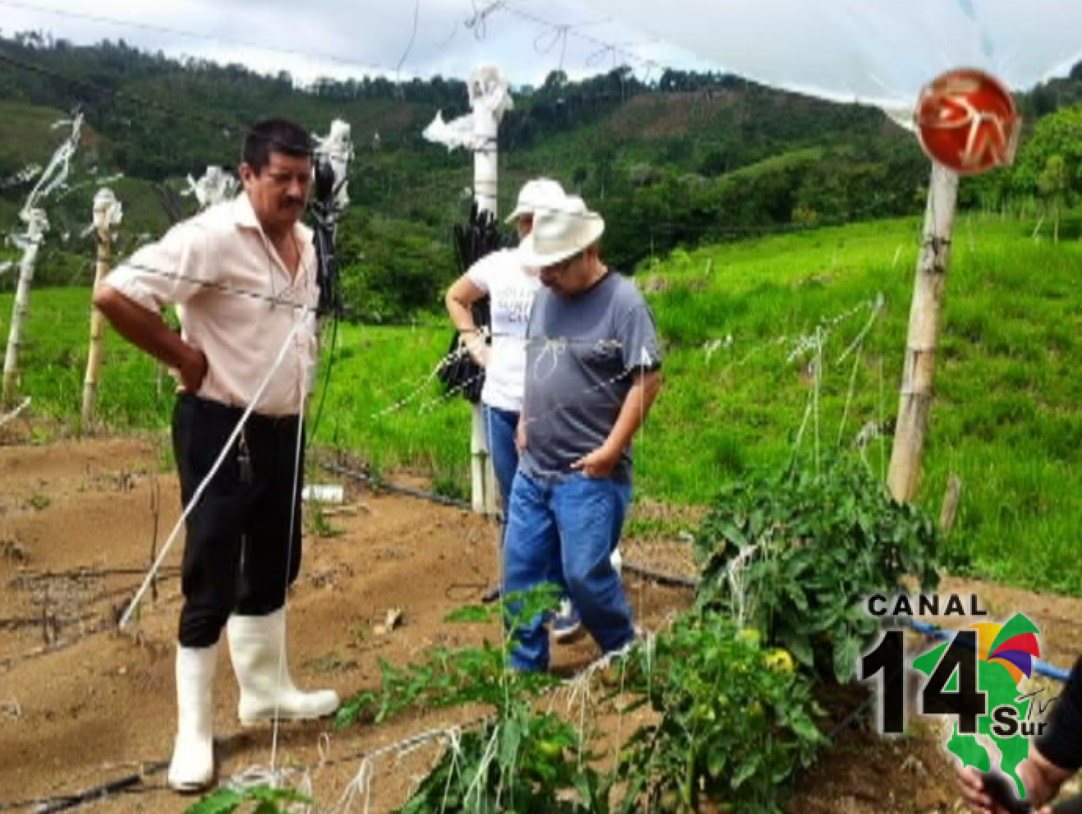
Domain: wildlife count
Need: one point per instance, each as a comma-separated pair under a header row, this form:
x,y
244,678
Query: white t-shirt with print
x,y
511,289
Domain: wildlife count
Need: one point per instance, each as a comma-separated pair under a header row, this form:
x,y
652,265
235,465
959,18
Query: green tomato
x,y
669,801
550,749
749,635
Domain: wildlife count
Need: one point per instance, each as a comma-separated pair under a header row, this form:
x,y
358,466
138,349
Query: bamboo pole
x,y
918,375
106,215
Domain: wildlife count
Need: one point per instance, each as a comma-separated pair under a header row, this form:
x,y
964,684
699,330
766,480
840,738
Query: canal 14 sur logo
x,y
972,676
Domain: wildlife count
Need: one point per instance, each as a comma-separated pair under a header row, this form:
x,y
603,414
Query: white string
x,y
14,413
126,618
294,499
417,391
362,780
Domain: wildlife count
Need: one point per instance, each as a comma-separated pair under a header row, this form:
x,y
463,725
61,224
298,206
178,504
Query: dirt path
x,y
81,705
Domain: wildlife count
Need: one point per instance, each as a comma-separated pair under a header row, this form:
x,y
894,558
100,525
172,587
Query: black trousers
x,y
241,552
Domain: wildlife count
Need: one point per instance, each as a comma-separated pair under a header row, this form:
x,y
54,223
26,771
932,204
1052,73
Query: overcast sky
x,y
876,51
343,38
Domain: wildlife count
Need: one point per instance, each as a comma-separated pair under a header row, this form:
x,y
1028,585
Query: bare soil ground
x,y
82,705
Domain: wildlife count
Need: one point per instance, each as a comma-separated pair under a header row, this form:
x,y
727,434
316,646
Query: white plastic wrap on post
x,y
477,131
52,178
30,241
107,215
215,186
489,100
337,146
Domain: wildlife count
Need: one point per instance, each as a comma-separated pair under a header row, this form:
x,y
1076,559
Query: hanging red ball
x,y
967,121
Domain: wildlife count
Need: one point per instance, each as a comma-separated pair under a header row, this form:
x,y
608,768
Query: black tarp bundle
x,y
457,371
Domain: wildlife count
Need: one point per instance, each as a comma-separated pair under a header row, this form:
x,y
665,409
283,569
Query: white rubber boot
x,y
192,766
257,644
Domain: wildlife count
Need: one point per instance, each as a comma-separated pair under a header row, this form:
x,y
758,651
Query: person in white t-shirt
x,y
511,288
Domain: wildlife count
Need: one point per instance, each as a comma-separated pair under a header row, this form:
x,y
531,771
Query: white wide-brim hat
x,y
540,193
559,232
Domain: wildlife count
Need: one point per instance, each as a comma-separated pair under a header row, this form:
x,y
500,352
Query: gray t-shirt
x,y
581,355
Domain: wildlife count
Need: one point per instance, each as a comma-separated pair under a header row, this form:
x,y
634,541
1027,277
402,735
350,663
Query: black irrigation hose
x,y
661,577
16,622
381,485
65,802
86,573
375,482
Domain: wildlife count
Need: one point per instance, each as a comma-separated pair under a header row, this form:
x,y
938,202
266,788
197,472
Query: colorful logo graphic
x,y
976,676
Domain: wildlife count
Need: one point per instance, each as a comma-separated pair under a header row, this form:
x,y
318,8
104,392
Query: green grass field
x,y
763,338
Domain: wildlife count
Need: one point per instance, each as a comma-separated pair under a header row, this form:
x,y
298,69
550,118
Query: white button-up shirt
x,y
238,303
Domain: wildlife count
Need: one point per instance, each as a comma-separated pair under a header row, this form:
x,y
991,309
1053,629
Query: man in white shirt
x,y
244,272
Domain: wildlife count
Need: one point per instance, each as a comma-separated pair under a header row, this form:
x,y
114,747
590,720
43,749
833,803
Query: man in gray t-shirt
x,y
592,374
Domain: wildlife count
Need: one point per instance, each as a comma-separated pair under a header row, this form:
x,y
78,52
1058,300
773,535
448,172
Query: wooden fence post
x,y
107,213
918,375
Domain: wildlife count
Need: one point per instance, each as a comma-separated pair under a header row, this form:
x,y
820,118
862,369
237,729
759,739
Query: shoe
x,y
617,561
258,647
566,624
192,766
491,595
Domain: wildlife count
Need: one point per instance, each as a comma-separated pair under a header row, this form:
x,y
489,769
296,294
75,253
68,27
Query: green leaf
x,y
510,740
471,614
846,652
220,801
746,770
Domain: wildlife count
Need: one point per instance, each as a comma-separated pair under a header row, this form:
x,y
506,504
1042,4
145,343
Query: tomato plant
x,y
735,724
519,760
806,548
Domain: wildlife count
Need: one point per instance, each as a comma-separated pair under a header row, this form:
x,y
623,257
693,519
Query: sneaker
x,y
566,624
640,639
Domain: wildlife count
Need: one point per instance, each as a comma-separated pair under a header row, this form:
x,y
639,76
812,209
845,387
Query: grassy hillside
x,y
763,338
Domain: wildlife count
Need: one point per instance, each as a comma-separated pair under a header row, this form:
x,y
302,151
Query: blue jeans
x,y
587,514
500,429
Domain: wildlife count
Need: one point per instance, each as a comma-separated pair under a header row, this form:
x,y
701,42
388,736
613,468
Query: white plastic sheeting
x,y
489,100
108,212
215,185
337,147
879,52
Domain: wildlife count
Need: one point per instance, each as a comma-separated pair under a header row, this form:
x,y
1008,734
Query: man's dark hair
x,y
274,136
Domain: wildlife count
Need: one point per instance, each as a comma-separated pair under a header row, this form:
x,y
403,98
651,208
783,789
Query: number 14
x,y
967,702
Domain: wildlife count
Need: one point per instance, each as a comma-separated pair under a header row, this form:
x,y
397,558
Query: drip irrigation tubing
x,y
946,634
379,484
660,577
66,802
